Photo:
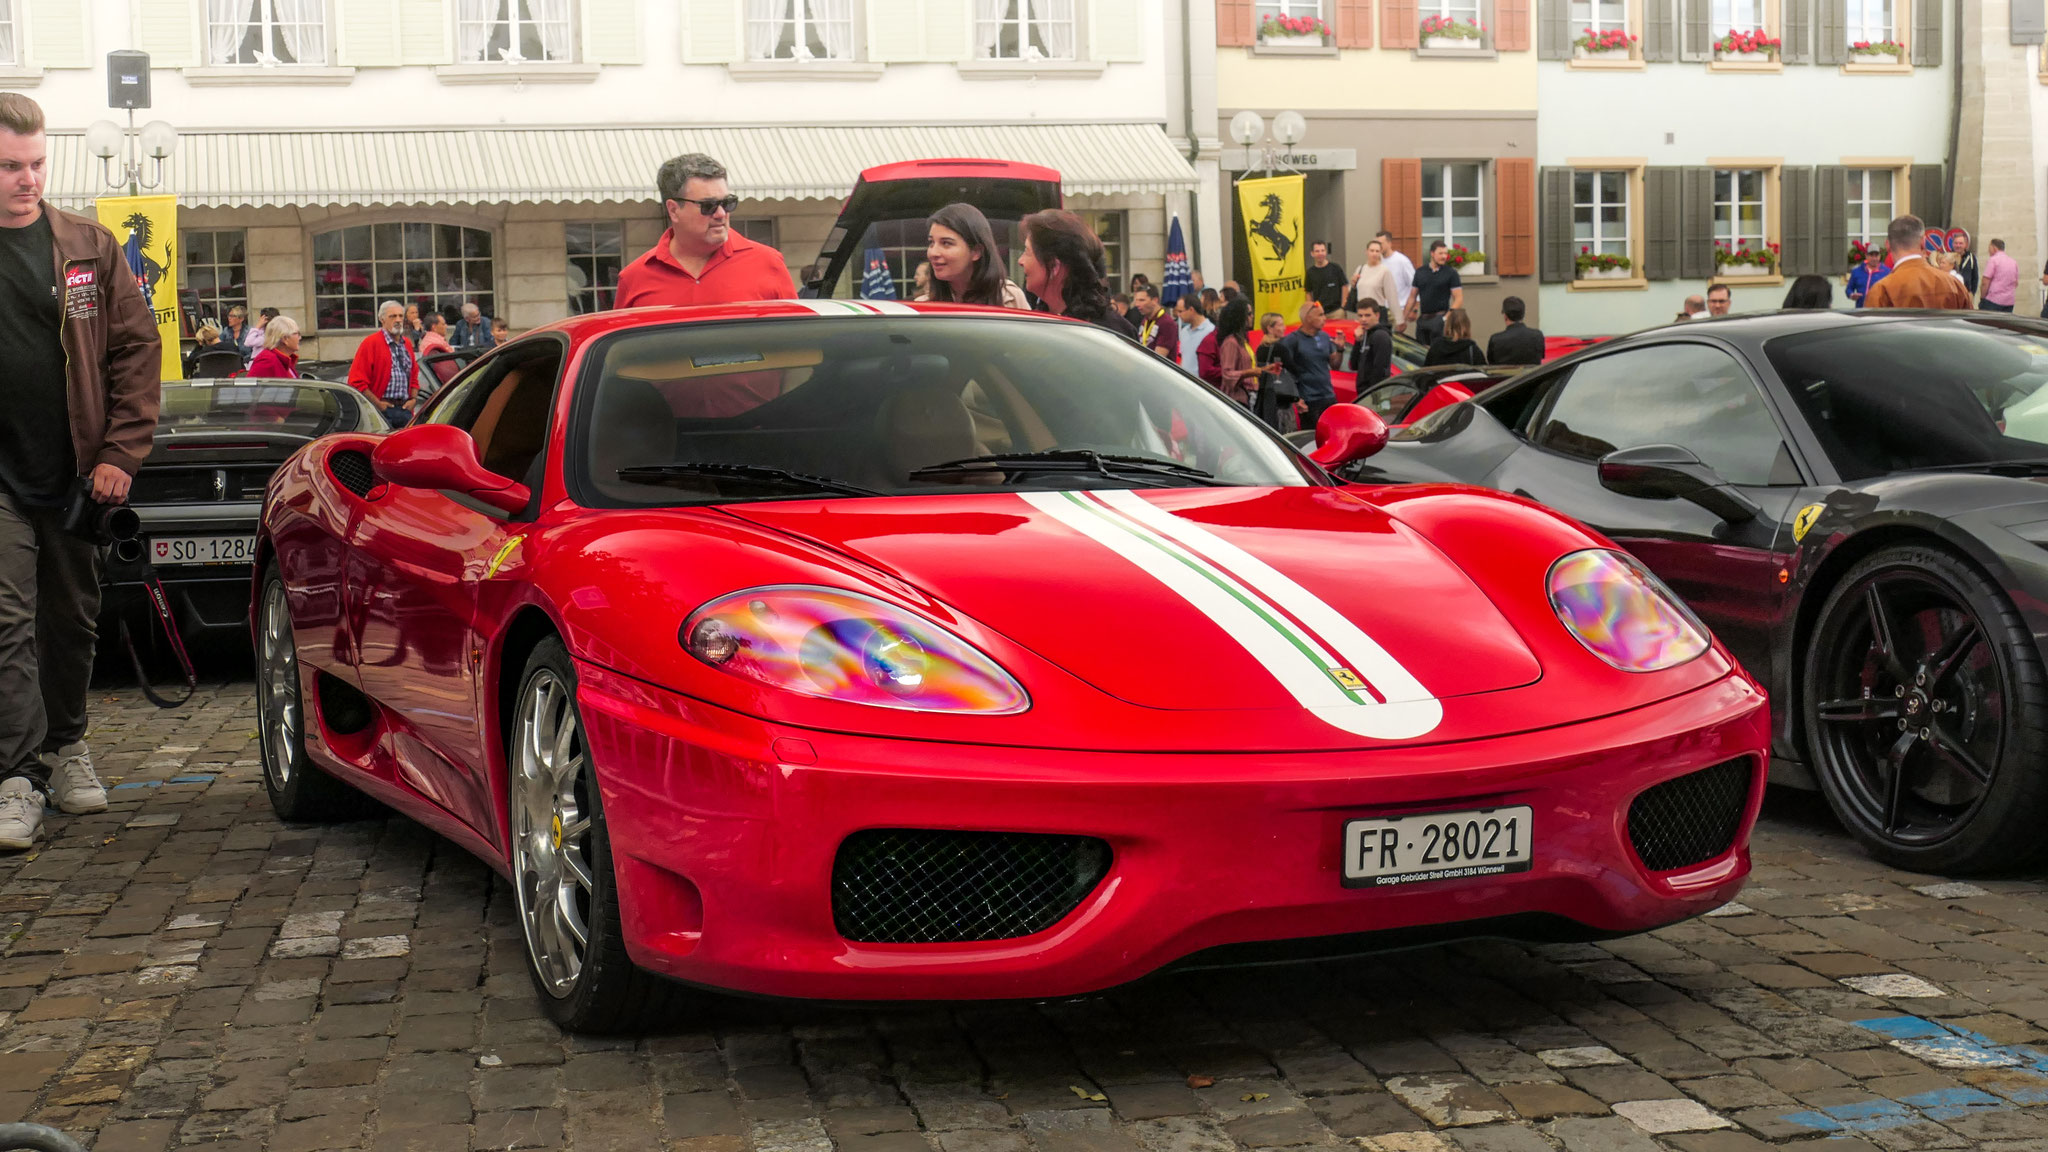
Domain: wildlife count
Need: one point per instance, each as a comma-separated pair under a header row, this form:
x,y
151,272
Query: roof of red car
x,y
598,323
941,169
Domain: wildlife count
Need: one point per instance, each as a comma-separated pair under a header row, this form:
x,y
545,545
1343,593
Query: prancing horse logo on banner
x,y
1267,228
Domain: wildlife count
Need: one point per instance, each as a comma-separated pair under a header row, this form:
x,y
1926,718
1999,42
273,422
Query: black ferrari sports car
x,y
1857,503
201,491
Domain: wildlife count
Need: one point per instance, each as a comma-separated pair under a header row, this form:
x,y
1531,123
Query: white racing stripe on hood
x,y
1185,558
836,307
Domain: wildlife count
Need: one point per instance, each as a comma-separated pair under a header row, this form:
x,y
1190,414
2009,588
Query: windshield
x,y
266,407
864,402
1883,398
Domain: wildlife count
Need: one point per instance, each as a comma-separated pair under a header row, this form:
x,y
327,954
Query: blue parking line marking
x,y
1868,1116
1944,1046
204,778
138,784
1953,1103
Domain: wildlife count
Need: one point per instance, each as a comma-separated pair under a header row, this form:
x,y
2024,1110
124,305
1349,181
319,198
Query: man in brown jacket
x,y
78,407
1913,282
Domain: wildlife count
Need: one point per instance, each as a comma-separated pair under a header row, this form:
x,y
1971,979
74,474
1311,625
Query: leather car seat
x,y
632,425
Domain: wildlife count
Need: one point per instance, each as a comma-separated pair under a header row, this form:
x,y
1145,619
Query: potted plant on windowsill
x,y
1746,47
1876,52
1467,261
1446,33
1740,259
1603,265
1293,32
1613,44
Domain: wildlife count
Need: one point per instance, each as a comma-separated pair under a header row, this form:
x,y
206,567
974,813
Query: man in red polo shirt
x,y
700,259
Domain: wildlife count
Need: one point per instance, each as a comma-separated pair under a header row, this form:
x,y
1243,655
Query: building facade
x,y
335,153
1675,146
1421,119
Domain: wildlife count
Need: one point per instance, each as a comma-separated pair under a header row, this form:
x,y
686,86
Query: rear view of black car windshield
x,y
1884,398
265,407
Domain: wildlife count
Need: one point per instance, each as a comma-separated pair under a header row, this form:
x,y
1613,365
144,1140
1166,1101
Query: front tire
x,y
300,793
562,863
1925,714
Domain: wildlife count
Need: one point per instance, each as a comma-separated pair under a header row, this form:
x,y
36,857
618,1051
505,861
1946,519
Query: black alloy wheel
x,y
1925,714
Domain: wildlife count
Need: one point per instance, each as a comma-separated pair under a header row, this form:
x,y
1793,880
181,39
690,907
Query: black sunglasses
x,y
710,207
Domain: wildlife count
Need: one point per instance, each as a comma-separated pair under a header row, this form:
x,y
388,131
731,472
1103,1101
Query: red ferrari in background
x,y
874,651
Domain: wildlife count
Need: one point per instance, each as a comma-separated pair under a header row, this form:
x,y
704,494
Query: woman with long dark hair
x,y
1063,268
1241,370
1809,292
966,264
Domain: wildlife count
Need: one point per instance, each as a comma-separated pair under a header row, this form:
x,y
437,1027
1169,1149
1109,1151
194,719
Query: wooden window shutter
x,y
1556,231
1514,210
366,34
1926,46
1662,241
1831,33
1511,25
1401,204
1697,41
59,33
948,31
1234,23
1354,23
1797,18
1929,200
169,31
1831,218
1660,31
1400,27
1115,31
711,32
611,32
1696,223
1799,254
1553,30
423,34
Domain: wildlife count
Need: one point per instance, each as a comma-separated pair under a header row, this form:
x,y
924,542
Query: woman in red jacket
x,y
279,359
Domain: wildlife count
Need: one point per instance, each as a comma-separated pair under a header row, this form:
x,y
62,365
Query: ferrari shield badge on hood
x,y
1321,658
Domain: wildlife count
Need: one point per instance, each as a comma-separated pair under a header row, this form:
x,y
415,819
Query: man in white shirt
x,y
1404,277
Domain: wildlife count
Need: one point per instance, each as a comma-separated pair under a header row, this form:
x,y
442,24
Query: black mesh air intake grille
x,y
352,470
917,886
1692,819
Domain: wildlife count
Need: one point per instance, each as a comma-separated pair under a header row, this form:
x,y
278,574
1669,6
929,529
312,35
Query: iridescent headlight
x,y
844,646
1622,614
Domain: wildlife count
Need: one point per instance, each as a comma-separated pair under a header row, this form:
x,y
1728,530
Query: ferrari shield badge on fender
x,y
1325,662
1803,522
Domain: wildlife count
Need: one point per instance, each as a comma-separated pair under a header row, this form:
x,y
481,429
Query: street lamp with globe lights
x,y
107,140
1248,128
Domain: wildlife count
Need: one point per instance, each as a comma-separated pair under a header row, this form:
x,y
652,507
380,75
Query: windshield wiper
x,y
799,481
1070,460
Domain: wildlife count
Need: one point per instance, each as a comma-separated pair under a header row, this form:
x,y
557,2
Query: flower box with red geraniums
x,y
1755,47
1294,32
1877,52
1444,32
1740,259
1593,265
1613,44
1466,260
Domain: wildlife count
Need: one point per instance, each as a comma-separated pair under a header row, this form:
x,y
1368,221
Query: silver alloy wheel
x,y
551,832
278,688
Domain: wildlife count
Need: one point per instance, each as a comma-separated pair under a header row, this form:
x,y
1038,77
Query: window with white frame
x,y
800,30
1736,16
1461,11
437,266
1024,29
217,270
10,38
514,31
1600,211
1591,16
596,252
1109,228
1870,20
1739,219
1264,10
266,33
1873,192
1451,205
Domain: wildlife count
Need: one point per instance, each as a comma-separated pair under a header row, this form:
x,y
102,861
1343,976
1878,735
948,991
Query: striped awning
x,y
542,165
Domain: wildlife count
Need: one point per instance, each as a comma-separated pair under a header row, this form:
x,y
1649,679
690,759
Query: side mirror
x,y
1668,472
443,457
1346,433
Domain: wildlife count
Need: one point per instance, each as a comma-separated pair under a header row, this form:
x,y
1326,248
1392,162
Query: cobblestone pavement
x,y
185,970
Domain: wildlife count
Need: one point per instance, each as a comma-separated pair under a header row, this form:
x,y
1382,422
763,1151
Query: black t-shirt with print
x,y
36,460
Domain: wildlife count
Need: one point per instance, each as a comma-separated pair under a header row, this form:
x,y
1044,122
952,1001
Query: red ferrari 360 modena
x,y
871,651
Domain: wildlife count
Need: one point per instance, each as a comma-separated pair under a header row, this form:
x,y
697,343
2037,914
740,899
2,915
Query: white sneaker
x,y
73,786
21,814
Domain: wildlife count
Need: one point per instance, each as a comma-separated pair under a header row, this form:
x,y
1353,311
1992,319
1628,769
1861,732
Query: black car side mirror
x,y
1668,472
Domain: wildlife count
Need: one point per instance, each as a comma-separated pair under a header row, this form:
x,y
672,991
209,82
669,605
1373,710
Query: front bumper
x,y
725,829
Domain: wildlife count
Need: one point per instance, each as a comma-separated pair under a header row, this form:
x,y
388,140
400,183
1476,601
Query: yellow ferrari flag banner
x,y
1273,235
147,229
